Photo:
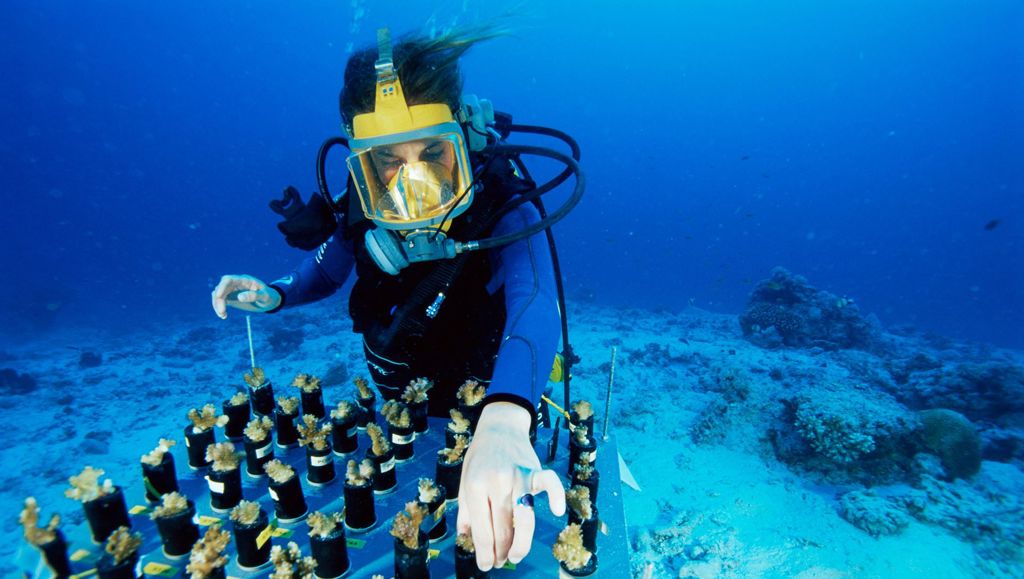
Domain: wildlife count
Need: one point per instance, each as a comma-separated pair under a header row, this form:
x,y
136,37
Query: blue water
x,y
864,145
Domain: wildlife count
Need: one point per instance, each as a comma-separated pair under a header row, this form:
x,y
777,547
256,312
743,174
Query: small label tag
x,y
355,543
264,536
264,450
282,532
320,460
350,432
187,443
273,494
403,438
79,555
88,573
433,554
440,511
159,569
387,466
139,509
216,487
207,520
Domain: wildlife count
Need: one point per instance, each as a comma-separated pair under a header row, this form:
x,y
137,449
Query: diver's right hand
x,y
245,293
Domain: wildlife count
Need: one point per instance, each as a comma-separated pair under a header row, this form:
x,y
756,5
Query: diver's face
x,y
387,160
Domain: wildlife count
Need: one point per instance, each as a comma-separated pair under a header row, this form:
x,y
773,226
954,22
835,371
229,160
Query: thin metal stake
x,y
608,399
252,354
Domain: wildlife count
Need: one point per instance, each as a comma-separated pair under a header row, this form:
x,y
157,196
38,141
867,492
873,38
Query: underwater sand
x,y
723,508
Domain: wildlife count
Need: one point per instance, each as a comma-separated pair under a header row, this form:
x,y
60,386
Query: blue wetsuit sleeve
x,y
532,325
319,275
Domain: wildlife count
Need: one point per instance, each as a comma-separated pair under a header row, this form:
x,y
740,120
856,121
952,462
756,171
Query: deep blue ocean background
x,y
874,147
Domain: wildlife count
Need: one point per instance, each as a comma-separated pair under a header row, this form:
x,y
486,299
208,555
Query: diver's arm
x,y
501,466
318,276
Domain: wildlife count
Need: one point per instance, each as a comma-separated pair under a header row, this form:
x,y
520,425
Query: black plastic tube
x,y
238,417
313,402
225,488
252,542
105,514
287,433
447,476
343,436
262,399
106,568
159,479
385,478
360,513
55,553
369,410
289,501
319,465
465,565
330,553
178,532
577,450
257,455
197,443
418,415
412,563
401,441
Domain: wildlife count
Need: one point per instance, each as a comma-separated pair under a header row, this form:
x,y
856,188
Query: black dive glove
x,y
305,225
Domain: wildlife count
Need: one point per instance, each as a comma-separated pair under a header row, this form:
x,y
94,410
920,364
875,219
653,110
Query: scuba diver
x,y
455,265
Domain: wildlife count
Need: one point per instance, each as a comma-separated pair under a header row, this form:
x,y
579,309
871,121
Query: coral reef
x,y
278,471
578,499
873,514
321,525
171,504
208,553
206,418
453,455
223,456
459,423
29,520
406,526
344,410
308,383
569,548
289,405
785,310
86,486
90,359
416,391
246,513
256,378
12,382
396,413
313,434
289,562
156,456
122,544
359,473
238,399
471,393
258,429
951,437
379,444
992,391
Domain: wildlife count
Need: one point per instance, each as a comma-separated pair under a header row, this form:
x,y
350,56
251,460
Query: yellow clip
x,y
154,568
79,555
264,536
433,554
206,520
139,509
84,574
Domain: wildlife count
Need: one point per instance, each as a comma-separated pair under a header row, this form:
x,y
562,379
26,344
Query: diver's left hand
x,y
501,468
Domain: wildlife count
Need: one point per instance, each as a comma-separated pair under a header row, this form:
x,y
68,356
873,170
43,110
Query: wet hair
x,y
428,67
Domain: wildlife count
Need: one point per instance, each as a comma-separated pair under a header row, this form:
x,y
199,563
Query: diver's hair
x,y
428,67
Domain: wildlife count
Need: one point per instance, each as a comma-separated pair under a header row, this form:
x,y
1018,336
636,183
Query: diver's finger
x,y
523,523
247,296
219,297
481,528
501,518
547,481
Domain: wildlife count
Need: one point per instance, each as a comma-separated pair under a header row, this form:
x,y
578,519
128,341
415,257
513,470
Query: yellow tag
x,y
139,509
84,574
280,532
154,568
432,554
440,511
355,543
264,536
79,555
207,520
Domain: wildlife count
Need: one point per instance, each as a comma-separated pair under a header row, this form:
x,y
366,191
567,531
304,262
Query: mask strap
x,y
385,64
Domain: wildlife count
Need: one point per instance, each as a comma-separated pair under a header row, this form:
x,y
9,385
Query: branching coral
x,y
289,563
255,379
428,491
379,444
246,513
122,544
362,387
321,525
172,504
583,470
223,456
583,409
396,413
344,410
578,499
206,418
238,399
582,435
208,553
289,405
464,541
453,455
86,486
359,474
569,549
308,383
416,391
471,393
459,423
258,429
156,456
29,520
311,433
406,526
278,471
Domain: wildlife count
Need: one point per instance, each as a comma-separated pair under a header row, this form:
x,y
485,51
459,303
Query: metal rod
x,y
608,399
252,354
